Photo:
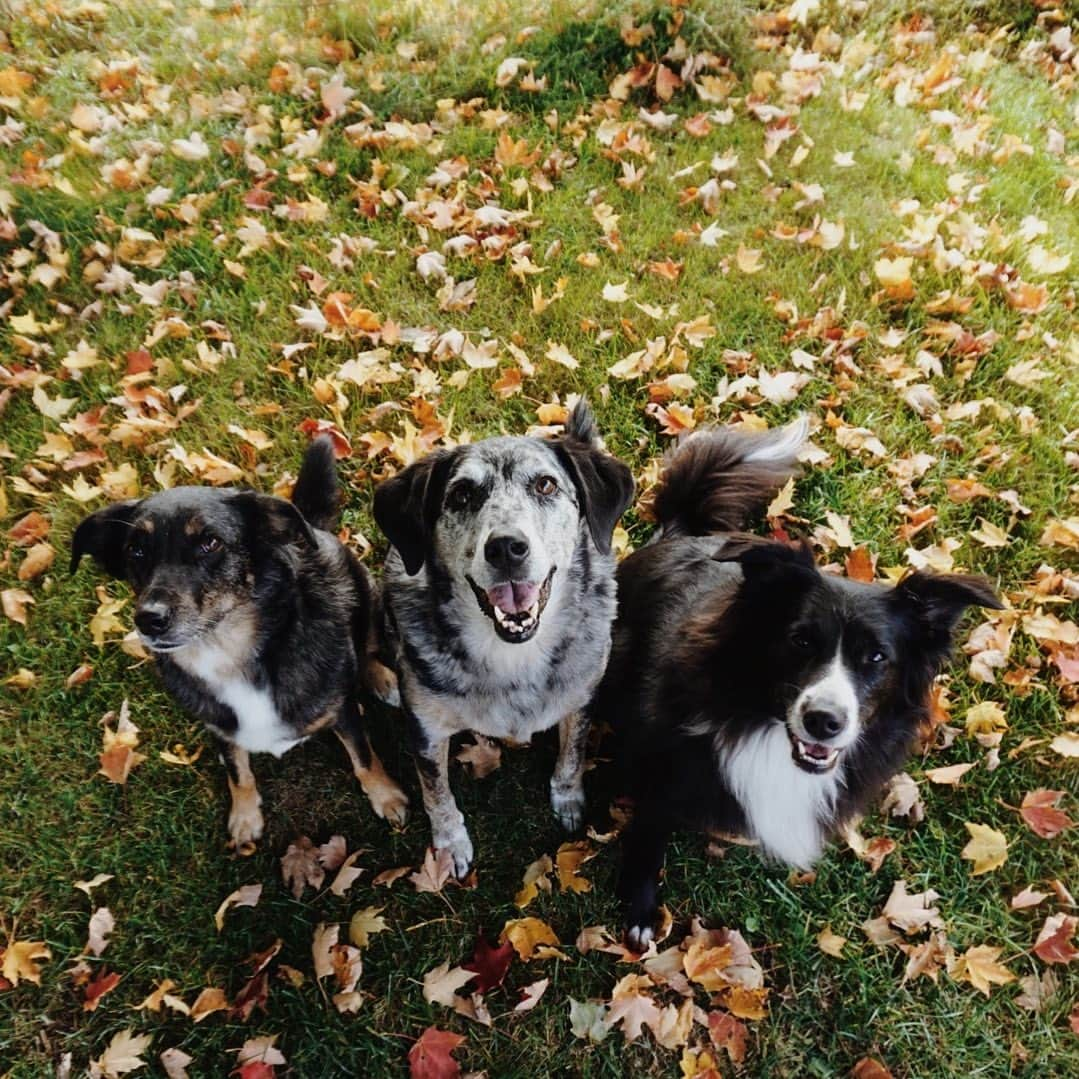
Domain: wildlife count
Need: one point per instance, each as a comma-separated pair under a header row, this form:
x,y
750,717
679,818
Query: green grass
x,y
162,835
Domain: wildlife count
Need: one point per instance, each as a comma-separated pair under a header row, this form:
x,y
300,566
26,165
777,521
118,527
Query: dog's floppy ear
x,y
604,484
274,518
936,602
407,505
767,562
102,535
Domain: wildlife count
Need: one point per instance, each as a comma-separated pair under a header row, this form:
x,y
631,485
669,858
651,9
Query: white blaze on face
x,y
834,690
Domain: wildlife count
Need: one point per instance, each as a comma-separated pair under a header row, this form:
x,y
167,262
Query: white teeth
x,y
804,753
518,623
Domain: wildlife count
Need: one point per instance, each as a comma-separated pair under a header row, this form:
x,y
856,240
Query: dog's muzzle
x,y
514,607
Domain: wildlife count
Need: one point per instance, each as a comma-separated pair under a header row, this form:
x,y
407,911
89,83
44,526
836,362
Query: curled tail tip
x,y
781,445
316,491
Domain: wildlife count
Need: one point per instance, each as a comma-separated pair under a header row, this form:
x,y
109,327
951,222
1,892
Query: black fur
x,y
716,638
241,598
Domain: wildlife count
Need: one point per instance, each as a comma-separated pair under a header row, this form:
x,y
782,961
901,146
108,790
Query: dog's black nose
x,y
506,552
153,621
821,724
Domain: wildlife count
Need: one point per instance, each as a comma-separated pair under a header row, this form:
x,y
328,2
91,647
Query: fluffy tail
x,y
718,480
316,493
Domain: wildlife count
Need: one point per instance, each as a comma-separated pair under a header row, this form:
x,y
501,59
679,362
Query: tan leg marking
x,y
245,817
387,799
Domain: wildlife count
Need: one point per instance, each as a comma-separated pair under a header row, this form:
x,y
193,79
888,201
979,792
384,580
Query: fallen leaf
x,y
950,775
979,967
569,858
536,879
124,1053
104,982
102,924
430,1056
210,1000
246,896
440,984
527,935
831,943
1041,815
21,961
436,870
364,924
1054,943
490,964
300,866
530,995
987,849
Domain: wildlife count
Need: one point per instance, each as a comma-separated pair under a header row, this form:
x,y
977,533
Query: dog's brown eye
x,y
800,640
460,497
210,545
876,657
546,485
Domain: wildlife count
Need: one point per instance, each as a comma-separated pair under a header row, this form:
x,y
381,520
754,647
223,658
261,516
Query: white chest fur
x,y
783,804
259,727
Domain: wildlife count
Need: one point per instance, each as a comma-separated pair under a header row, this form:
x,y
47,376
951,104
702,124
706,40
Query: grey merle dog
x,y
499,597
261,622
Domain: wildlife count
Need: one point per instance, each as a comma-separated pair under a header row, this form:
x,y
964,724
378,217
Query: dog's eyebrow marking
x,y
194,525
145,525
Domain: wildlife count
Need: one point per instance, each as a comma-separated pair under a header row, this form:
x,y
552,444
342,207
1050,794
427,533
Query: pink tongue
x,y
513,598
819,752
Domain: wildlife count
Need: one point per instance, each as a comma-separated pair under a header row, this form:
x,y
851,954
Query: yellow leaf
x,y
783,501
21,959
831,943
894,275
535,880
987,849
985,718
748,259
527,935
979,966
365,924
569,859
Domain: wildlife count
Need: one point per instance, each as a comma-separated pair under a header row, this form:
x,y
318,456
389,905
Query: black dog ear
x,y
102,535
406,506
604,484
767,562
937,601
278,520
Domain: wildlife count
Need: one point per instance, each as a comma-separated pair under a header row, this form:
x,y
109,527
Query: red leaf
x,y
868,1068
1054,941
96,989
728,1033
26,531
489,963
138,361
1040,812
861,565
430,1057
255,1069
313,428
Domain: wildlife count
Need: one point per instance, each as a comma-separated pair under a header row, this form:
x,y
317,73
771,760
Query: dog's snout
x,y
506,552
822,724
153,619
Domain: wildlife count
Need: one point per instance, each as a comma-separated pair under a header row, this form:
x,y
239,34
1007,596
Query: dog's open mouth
x,y
515,607
812,756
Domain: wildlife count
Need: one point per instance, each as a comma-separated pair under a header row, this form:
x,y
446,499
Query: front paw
x,y
245,822
568,804
383,683
390,803
642,916
459,847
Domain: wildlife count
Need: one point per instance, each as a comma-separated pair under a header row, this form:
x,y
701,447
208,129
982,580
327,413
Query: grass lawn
x,y
224,223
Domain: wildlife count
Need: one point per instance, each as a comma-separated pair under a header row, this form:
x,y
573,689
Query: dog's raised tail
x,y
720,479
316,493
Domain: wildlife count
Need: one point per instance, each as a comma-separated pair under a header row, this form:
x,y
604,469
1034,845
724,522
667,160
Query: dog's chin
x,y
514,627
813,757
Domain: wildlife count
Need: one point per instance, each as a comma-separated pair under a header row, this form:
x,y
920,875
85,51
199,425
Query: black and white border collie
x,y
752,694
